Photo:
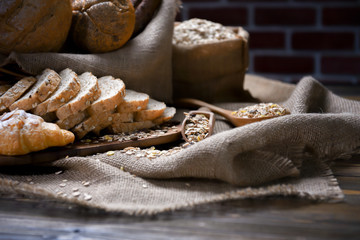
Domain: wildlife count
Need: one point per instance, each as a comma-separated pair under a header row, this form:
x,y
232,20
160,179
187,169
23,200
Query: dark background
x,y
290,39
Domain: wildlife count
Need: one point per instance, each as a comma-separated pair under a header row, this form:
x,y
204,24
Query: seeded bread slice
x,y
167,115
46,84
91,123
68,88
4,88
89,92
120,127
15,92
133,102
72,120
153,110
112,94
115,117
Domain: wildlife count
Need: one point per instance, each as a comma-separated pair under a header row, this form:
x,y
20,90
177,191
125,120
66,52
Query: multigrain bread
x,y
133,102
45,85
112,94
21,133
72,120
68,88
89,92
91,123
15,92
167,115
153,110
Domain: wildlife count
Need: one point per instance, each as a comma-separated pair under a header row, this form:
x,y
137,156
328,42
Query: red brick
x,y
235,16
283,64
285,16
340,64
323,40
341,16
262,40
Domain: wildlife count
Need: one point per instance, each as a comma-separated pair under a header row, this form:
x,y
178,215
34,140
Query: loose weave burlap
x,y
285,156
144,63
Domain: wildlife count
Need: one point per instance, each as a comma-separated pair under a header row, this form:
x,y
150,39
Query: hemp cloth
x,y
143,63
284,156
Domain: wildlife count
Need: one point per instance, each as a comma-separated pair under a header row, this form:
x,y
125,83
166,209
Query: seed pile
x,y
151,152
199,31
196,127
261,110
138,135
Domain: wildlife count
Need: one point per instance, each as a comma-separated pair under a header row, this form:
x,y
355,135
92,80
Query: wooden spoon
x,y
204,111
236,121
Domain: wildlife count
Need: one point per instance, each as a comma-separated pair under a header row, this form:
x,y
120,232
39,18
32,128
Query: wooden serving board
x,y
85,149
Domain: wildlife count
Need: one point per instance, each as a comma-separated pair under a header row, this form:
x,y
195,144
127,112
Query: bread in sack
x,y
22,133
102,25
34,25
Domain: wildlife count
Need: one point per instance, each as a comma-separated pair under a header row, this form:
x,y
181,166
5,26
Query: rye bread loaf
x,y
89,124
34,26
15,92
112,94
68,88
153,110
89,92
133,102
102,25
46,84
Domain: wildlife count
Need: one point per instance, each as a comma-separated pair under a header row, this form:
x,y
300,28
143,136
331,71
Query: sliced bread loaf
x,y
153,110
167,115
45,85
89,92
112,94
68,88
91,123
120,127
72,120
15,92
115,117
133,102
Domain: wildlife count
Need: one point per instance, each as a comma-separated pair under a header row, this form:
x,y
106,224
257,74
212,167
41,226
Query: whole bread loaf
x,y
34,25
102,25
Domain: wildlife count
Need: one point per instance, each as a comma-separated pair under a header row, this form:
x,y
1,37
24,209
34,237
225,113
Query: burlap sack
x,y
144,63
213,72
286,156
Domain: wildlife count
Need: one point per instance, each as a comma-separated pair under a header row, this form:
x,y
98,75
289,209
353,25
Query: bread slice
x,y
46,84
120,127
72,120
133,102
153,110
89,92
112,94
68,88
167,115
91,123
115,117
4,88
15,92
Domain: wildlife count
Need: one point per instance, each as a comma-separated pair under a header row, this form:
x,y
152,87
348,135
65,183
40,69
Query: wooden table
x,y
270,218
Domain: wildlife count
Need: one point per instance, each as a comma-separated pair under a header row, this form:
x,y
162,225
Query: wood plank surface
x,y
270,218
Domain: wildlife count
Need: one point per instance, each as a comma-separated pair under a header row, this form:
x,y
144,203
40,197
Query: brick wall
x,y
292,38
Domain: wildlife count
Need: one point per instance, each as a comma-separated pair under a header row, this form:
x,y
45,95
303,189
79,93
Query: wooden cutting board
x,y
85,149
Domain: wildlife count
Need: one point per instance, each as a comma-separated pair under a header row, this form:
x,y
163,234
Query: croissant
x,y
22,132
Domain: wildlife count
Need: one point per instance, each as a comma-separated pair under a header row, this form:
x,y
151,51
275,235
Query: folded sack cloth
x,y
285,156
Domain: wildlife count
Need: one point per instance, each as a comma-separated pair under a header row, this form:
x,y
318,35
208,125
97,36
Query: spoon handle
x,y
199,103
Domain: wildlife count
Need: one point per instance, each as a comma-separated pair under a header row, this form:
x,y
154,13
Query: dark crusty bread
x,y
34,26
102,25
